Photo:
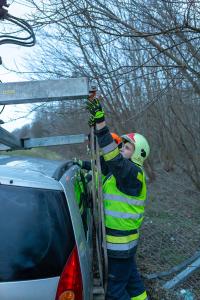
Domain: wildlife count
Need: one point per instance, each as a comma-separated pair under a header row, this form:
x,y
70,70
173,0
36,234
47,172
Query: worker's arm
x,y
83,164
104,166
86,165
127,174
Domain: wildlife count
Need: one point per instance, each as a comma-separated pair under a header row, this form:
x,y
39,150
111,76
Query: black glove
x,y
78,162
96,111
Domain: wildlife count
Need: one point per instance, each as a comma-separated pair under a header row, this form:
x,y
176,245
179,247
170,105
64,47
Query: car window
x,y
36,235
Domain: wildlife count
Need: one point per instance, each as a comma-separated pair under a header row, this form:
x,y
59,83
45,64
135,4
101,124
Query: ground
x,y
170,232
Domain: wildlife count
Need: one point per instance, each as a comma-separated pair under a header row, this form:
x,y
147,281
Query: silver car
x,y
45,231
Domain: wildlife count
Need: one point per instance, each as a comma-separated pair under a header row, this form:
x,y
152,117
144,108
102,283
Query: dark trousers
x,y
124,281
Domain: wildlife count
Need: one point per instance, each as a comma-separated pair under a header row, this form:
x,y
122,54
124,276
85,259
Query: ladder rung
x,y
98,293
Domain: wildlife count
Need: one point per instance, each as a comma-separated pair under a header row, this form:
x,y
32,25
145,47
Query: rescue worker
x,y
124,195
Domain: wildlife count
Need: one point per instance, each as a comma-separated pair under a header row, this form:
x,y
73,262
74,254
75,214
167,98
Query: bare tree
x,y
144,57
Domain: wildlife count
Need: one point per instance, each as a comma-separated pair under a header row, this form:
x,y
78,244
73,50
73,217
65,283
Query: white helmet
x,y
142,149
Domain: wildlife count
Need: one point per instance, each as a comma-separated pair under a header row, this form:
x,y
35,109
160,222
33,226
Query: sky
x,y
13,58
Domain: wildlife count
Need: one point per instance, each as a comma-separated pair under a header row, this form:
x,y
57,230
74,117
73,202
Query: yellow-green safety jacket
x,y
123,217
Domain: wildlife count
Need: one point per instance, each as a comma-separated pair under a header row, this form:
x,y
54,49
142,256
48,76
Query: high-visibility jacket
x,y
123,217
79,193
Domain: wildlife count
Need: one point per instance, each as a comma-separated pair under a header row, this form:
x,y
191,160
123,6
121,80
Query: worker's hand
x,y
78,162
96,110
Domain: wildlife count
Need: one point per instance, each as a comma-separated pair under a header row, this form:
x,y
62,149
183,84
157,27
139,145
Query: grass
x,y
170,233
36,152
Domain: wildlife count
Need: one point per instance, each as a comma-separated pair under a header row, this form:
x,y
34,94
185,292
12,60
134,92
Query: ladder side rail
x,y
24,144
44,90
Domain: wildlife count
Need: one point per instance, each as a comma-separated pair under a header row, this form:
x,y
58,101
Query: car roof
x,y
29,171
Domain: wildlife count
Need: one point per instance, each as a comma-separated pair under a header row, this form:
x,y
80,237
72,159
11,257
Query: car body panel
x,y
41,165
30,172
44,289
84,247
10,176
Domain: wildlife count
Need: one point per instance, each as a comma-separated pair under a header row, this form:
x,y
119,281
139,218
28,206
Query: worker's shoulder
x,y
132,165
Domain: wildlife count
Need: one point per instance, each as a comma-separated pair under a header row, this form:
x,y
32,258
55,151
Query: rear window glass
x,y
36,235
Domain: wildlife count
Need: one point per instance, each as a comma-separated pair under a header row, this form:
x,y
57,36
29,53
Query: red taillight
x,y
71,279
